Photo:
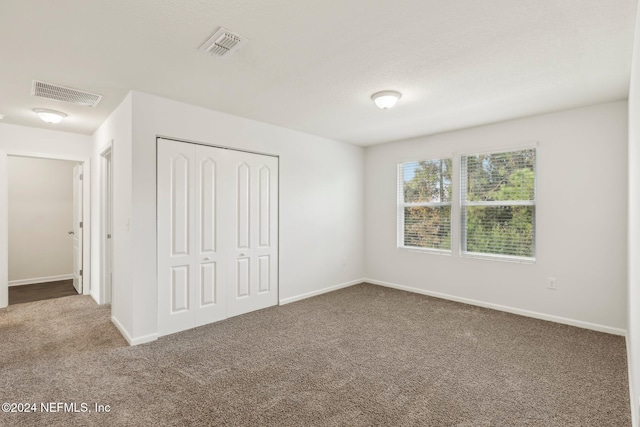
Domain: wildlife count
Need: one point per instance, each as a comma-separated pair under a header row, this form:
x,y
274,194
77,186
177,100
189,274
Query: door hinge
x,y
108,236
80,224
80,272
81,177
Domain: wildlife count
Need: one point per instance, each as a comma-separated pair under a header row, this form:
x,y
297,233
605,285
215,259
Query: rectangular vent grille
x,y
65,94
223,42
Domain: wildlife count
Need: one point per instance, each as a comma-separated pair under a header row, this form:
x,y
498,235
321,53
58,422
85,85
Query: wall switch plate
x,y
552,283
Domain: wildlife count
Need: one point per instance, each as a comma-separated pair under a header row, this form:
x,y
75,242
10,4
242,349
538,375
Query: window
x,y
424,204
498,204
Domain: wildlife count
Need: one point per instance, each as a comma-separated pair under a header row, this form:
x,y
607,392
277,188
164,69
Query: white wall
x,y
117,132
581,219
40,217
633,325
21,140
321,201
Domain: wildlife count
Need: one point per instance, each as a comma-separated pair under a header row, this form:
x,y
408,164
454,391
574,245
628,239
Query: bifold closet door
x,y
211,291
253,273
191,274
217,234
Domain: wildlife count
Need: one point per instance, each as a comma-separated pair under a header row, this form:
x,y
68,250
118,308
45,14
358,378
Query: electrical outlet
x,y
552,283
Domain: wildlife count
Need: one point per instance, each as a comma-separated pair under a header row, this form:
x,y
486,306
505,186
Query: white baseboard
x,y
320,291
133,341
40,280
94,296
143,339
521,312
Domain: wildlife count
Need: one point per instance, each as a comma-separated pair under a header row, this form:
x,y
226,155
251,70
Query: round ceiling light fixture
x,y
49,116
386,99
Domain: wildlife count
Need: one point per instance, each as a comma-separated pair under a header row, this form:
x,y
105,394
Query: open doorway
x,y
45,227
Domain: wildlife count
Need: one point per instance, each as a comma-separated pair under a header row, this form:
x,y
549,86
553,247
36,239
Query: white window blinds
x,y
424,204
498,201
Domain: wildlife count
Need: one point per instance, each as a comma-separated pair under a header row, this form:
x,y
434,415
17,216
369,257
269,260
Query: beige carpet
x,y
361,356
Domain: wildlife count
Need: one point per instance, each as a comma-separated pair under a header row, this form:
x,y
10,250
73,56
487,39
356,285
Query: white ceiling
x,y
313,65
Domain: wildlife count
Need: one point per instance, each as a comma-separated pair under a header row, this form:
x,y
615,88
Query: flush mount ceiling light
x,y
49,116
386,99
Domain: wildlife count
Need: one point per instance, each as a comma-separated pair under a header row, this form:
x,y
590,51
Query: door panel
x,y
210,265
179,289
208,205
243,203
256,210
176,173
180,200
208,284
263,274
264,221
77,228
242,278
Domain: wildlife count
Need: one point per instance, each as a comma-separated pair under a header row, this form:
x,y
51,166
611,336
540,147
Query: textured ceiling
x,y
312,65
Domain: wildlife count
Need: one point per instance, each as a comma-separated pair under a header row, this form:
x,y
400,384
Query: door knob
x,y
207,259
243,254
70,232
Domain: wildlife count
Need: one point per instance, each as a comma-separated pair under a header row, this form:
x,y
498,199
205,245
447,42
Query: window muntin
x,y
498,204
424,204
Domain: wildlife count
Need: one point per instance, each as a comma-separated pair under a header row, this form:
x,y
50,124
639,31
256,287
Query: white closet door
x,y
217,234
211,304
176,233
253,271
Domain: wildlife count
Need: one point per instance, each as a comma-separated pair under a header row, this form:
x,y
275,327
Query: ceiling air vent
x,y
223,42
65,94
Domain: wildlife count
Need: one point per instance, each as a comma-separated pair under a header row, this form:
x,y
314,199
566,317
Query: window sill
x,y
425,250
502,258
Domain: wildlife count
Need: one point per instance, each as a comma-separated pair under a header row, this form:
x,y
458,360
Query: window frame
x,y
464,204
401,205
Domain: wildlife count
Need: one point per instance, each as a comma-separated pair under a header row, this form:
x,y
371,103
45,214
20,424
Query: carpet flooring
x,y
41,291
360,356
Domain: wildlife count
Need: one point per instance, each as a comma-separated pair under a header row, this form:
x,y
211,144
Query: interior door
x,y
253,273
77,227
